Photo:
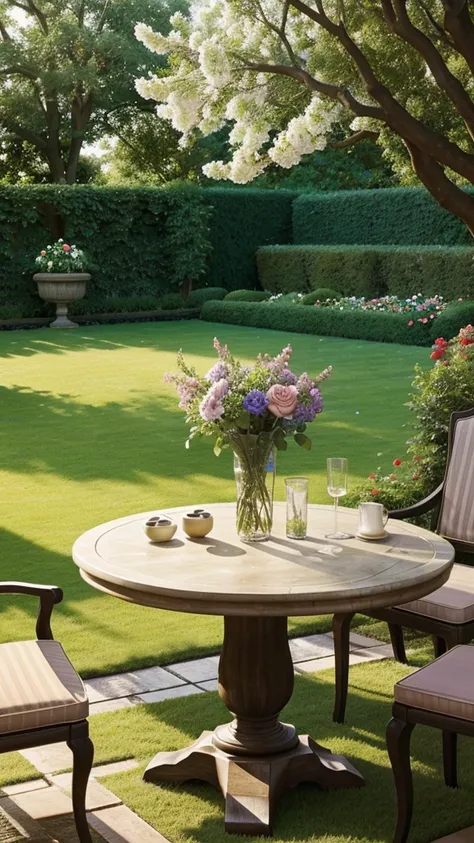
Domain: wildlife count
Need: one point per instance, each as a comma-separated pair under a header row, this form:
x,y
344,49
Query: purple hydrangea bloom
x,y
305,413
218,371
256,402
288,378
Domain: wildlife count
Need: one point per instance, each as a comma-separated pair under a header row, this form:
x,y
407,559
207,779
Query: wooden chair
x,y
42,698
448,613
440,695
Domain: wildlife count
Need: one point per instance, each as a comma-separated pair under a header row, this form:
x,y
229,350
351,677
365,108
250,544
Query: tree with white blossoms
x,y
283,72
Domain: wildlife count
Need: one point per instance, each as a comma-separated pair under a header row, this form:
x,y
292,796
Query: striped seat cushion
x,y
38,687
457,507
453,602
446,686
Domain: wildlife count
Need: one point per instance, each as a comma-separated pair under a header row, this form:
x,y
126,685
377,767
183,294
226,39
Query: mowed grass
x,y
193,812
89,432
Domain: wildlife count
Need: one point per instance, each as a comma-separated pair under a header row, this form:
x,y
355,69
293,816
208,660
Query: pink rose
x,y
282,400
66,248
42,253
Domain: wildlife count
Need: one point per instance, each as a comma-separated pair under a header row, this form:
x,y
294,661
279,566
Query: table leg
x,y
254,758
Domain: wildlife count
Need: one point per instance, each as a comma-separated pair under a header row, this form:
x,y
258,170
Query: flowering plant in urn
x,y
251,409
61,257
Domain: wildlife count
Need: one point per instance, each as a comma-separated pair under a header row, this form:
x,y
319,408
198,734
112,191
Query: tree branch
x,y
4,33
364,134
103,16
23,134
393,114
327,89
32,9
399,22
458,22
18,70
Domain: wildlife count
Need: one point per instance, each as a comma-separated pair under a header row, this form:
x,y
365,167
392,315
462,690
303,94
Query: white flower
x,y
50,264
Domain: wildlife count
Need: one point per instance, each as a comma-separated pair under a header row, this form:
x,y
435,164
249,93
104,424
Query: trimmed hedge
x,y
359,324
400,216
320,294
369,271
247,295
197,297
242,220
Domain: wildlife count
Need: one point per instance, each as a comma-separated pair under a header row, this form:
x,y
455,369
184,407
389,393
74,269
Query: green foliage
x,y
61,257
369,271
172,301
364,325
197,297
82,60
320,294
247,295
360,166
451,320
126,304
396,488
139,242
244,219
393,216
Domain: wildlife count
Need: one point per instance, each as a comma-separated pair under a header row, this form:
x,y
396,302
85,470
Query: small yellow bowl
x,y
160,532
196,526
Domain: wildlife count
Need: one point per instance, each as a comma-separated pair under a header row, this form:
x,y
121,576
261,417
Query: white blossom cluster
x,y
212,85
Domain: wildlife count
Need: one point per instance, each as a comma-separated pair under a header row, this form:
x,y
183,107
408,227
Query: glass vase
x,y
254,468
296,507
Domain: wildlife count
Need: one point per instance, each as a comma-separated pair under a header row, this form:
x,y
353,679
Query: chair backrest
x,y
456,515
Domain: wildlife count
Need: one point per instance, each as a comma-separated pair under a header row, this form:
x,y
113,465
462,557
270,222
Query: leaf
x,y
244,420
303,441
218,446
281,444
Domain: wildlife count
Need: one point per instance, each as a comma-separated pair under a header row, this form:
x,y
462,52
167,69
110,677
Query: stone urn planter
x,y
61,288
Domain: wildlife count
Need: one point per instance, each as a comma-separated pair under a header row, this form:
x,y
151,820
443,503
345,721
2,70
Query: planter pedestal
x,y
61,288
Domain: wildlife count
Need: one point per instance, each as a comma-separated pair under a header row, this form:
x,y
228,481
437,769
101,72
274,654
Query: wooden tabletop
x,y
220,575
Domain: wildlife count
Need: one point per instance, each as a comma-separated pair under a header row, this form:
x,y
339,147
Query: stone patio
x,y
40,811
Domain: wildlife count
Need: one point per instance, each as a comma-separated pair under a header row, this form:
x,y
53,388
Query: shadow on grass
x,y
193,812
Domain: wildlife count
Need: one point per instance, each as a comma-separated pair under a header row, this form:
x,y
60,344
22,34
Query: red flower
x,y
415,476
411,322
374,492
66,248
397,462
372,476
424,320
441,342
437,353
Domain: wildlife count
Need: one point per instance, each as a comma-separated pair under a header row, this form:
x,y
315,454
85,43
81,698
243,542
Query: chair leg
x,y
83,754
440,646
450,767
398,642
398,745
341,626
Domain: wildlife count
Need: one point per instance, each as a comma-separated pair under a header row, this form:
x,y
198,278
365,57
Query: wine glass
x,y
337,488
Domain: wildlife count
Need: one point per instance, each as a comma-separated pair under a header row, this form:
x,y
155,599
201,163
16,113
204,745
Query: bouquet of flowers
x,y
61,257
251,409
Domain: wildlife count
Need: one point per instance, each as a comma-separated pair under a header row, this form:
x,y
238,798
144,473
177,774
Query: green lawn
x,y
89,432
193,813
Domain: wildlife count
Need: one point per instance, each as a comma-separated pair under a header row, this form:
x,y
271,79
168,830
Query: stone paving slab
x,y
169,693
97,795
38,804
198,670
120,825
311,647
111,705
464,836
209,685
114,767
133,682
29,828
23,787
50,758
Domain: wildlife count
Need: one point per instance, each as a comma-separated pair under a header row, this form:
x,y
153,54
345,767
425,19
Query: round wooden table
x,y
256,587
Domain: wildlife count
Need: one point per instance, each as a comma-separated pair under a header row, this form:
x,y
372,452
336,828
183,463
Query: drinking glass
x,y
337,488
296,507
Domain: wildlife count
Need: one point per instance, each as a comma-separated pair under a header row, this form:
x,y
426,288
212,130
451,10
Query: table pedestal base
x,y
252,785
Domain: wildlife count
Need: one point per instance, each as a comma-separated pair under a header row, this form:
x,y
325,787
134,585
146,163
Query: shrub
x,y
247,295
389,216
125,304
242,220
11,311
369,271
197,297
396,488
451,320
286,298
365,325
321,294
172,301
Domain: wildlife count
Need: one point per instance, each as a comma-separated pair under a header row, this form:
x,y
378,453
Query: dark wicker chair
x,y
448,613
42,698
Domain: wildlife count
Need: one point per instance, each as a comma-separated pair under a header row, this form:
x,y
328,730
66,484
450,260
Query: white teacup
x,y
372,519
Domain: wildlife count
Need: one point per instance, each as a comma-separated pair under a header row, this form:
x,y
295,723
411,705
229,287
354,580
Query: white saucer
x,y
372,538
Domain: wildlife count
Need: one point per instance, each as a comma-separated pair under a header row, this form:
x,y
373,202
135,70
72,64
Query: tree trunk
x,y
56,166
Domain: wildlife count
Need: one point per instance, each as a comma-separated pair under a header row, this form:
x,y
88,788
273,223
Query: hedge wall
x,y
242,220
140,241
399,216
369,270
363,325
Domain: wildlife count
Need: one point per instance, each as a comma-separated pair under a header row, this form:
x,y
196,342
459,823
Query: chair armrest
x,y
48,595
426,505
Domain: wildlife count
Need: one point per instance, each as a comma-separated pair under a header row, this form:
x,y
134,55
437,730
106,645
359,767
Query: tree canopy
x,y
285,72
68,69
